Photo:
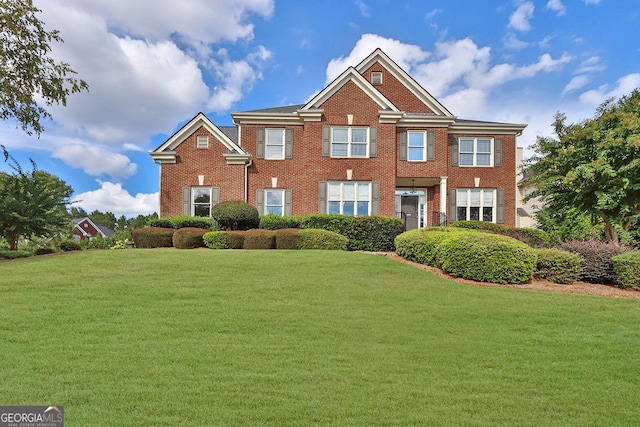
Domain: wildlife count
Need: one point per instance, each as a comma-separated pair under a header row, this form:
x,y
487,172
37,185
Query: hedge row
x,y
279,239
531,236
597,263
473,255
627,269
558,266
184,221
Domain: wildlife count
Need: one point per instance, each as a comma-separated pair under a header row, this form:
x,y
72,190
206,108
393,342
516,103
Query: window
x,y
349,142
416,146
376,77
202,141
201,205
274,202
476,152
349,198
274,144
476,205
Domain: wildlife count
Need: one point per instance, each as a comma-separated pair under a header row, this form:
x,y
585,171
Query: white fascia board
x,y
266,119
237,159
430,120
487,128
163,156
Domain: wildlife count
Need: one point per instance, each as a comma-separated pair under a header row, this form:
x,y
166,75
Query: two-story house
x,y
372,142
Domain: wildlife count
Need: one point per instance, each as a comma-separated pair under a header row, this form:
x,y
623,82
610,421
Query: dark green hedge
x,y
8,254
558,266
153,237
235,215
531,236
311,238
189,238
627,268
70,245
277,222
184,221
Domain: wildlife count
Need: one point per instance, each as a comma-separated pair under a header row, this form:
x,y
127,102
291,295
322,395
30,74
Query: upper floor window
x,y
274,144
476,205
349,198
202,141
349,142
476,151
416,146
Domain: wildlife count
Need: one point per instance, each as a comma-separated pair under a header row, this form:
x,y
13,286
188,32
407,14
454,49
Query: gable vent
x,y
202,141
376,77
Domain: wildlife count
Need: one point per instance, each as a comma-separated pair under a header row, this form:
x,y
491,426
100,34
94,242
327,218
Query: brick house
x,y
84,228
373,142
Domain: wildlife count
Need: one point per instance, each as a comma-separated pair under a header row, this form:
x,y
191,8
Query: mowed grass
x,y
201,337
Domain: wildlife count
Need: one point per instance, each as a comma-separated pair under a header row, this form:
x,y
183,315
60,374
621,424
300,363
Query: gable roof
x,y
102,229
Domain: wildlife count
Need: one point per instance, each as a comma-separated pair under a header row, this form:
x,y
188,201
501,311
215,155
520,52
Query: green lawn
x,y
169,337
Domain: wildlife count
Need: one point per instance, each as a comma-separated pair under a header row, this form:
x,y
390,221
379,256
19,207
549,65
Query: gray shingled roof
x,y
284,110
231,132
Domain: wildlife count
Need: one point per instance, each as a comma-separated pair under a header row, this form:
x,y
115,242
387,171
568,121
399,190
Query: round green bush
x,y
420,245
70,245
235,215
487,257
259,239
215,240
286,238
558,266
311,238
627,268
153,237
189,238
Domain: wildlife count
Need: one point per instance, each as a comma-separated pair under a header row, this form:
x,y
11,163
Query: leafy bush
x,y
531,236
70,245
558,266
311,238
420,245
235,239
286,238
236,215
45,251
259,239
8,254
189,238
184,221
277,222
627,269
153,237
161,223
597,266
215,240
487,257
375,233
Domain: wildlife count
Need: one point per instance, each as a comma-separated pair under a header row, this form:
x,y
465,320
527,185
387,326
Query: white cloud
x,y
576,83
519,20
363,8
557,6
111,197
431,14
511,41
591,65
591,1
95,161
624,86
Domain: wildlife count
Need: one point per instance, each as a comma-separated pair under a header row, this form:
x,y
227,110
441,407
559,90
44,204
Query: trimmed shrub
x,y
161,223
184,221
531,236
189,238
45,251
311,238
215,240
597,266
153,237
627,269
558,266
485,257
235,215
277,222
259,239
8,254
235,239
286,238
70,245
420,245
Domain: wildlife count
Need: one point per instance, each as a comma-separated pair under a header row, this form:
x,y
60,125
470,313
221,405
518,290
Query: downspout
x,y
159,163
246,180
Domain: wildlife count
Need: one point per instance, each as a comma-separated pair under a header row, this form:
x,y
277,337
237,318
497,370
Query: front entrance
x,y
410,207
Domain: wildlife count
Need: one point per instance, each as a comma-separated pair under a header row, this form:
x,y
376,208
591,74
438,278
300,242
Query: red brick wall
x,y
396,92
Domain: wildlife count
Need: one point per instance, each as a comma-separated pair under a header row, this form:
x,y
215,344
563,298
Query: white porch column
x,y
443,195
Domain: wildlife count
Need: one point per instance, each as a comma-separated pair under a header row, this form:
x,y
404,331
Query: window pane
x,y
274,210
347,208
416,153
487,214
466,159
466,145
484,146
484,160
416,139
363,208
334,207
363,192
487,198
274,198
201,210
475,198
339,150
339,135
358,135
474,214
462,198
274,152
334,191
358,150
275,136
461,214
201,195
348,191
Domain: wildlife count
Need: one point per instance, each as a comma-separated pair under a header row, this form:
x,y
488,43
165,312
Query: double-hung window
x,y
274,144
349,198
349,142
274,202
416,146
476,151
476,205
201,201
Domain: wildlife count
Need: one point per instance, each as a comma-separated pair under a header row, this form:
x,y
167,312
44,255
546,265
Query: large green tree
x,y
593,166
27,71
31,203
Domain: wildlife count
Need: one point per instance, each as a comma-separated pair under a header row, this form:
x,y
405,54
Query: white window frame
x,y
349,142
376,77
202,142
423,147
475,152
341,198
268,143
267,206
194,204
481,205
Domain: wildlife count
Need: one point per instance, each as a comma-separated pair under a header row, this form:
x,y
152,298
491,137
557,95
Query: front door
x,y
409,209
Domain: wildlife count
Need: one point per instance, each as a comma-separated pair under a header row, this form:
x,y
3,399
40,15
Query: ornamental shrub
x,y
8,254
259,239
531,236
153,237
235,239
184,221
558,266
45,251
277,222
235,215
311,238
420,245
161,223
215,240
70,245
189,238
597,266
286,238
485,257
627,269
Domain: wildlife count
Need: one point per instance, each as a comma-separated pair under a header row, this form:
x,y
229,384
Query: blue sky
x,y
154,64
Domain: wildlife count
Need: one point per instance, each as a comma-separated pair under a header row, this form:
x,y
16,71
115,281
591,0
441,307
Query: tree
x,y
593,166
31,203
108,219
27,72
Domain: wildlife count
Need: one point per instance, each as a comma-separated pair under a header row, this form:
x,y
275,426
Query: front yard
x,y
170,337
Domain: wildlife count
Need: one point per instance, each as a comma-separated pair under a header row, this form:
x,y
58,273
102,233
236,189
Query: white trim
x,y
494,205
487,128
475,152
424,146
282,145
265,205
350,143
355,197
